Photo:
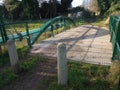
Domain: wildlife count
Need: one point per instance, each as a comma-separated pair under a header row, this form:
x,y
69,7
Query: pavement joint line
x,y
79,38
91,43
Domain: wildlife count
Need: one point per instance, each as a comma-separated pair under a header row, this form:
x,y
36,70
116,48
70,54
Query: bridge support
x,y
62,64
13,56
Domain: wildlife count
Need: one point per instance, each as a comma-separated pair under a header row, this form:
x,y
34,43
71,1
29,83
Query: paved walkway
x,y
85,43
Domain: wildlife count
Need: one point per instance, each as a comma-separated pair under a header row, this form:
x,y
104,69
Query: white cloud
x,y
77,3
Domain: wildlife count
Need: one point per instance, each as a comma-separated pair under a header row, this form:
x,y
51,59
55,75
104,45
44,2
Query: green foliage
x,y
87,13
76,9
114,8
12,6
66,4
7,76
103,6
30,8
55,86
100,23
22,51
84,77
107,7
4,57
114,74
28,65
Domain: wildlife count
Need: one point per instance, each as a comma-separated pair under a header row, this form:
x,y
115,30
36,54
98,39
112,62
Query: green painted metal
x,y
49,23
114,27
4,37
35,33
28,36
118,88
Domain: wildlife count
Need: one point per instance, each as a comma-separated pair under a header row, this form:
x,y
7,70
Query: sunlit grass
x,y
83,76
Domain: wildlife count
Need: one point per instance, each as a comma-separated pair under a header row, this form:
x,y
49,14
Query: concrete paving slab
x,y
86,43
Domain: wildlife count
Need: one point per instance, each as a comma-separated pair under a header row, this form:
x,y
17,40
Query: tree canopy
x,y
108,6
12,6
30,8
34,9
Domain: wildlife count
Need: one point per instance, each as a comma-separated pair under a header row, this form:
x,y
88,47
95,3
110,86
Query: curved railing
x,y
114,27
35,32
49,25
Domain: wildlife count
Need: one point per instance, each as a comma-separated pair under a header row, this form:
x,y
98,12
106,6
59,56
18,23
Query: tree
x,y
50,9
31,9
12,7
53,8
105,5
65,4
45,10
114,9
94,6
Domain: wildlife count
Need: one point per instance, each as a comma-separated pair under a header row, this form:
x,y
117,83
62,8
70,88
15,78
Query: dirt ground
x,y
44,71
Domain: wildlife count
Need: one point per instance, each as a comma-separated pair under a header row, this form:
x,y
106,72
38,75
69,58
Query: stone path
x,y
85,43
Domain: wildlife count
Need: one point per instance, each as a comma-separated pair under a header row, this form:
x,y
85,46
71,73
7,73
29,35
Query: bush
x,y
114,9
86,13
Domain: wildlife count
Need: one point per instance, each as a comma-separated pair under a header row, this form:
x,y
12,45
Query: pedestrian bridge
x,y
86,43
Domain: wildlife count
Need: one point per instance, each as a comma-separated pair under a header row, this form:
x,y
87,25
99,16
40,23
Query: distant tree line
x,y
34,9
40,9
106,7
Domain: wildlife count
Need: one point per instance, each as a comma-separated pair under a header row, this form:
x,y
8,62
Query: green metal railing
x,y
3,33
114,27
31,35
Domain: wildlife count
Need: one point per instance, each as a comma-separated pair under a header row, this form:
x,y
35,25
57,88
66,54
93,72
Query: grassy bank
x,y
83,76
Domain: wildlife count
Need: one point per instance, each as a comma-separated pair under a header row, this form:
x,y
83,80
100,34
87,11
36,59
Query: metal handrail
x,y
39,30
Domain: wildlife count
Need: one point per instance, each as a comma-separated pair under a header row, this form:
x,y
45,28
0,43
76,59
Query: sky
x,y
74,2
1,1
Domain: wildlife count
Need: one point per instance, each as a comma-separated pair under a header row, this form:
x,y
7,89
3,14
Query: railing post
x,y
52,28
13,55
64,24
62,64
2,29
28,36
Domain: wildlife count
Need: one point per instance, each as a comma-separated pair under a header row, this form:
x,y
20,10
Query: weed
x,y
7,76
29,64
114,75
4,57
22,51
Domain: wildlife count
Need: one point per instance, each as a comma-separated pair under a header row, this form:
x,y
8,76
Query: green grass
x,y
7,75
30,63
100,23
84,77
22,51
4,57
21,27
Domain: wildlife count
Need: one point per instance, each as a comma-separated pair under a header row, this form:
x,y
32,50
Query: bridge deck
x,y
85,43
